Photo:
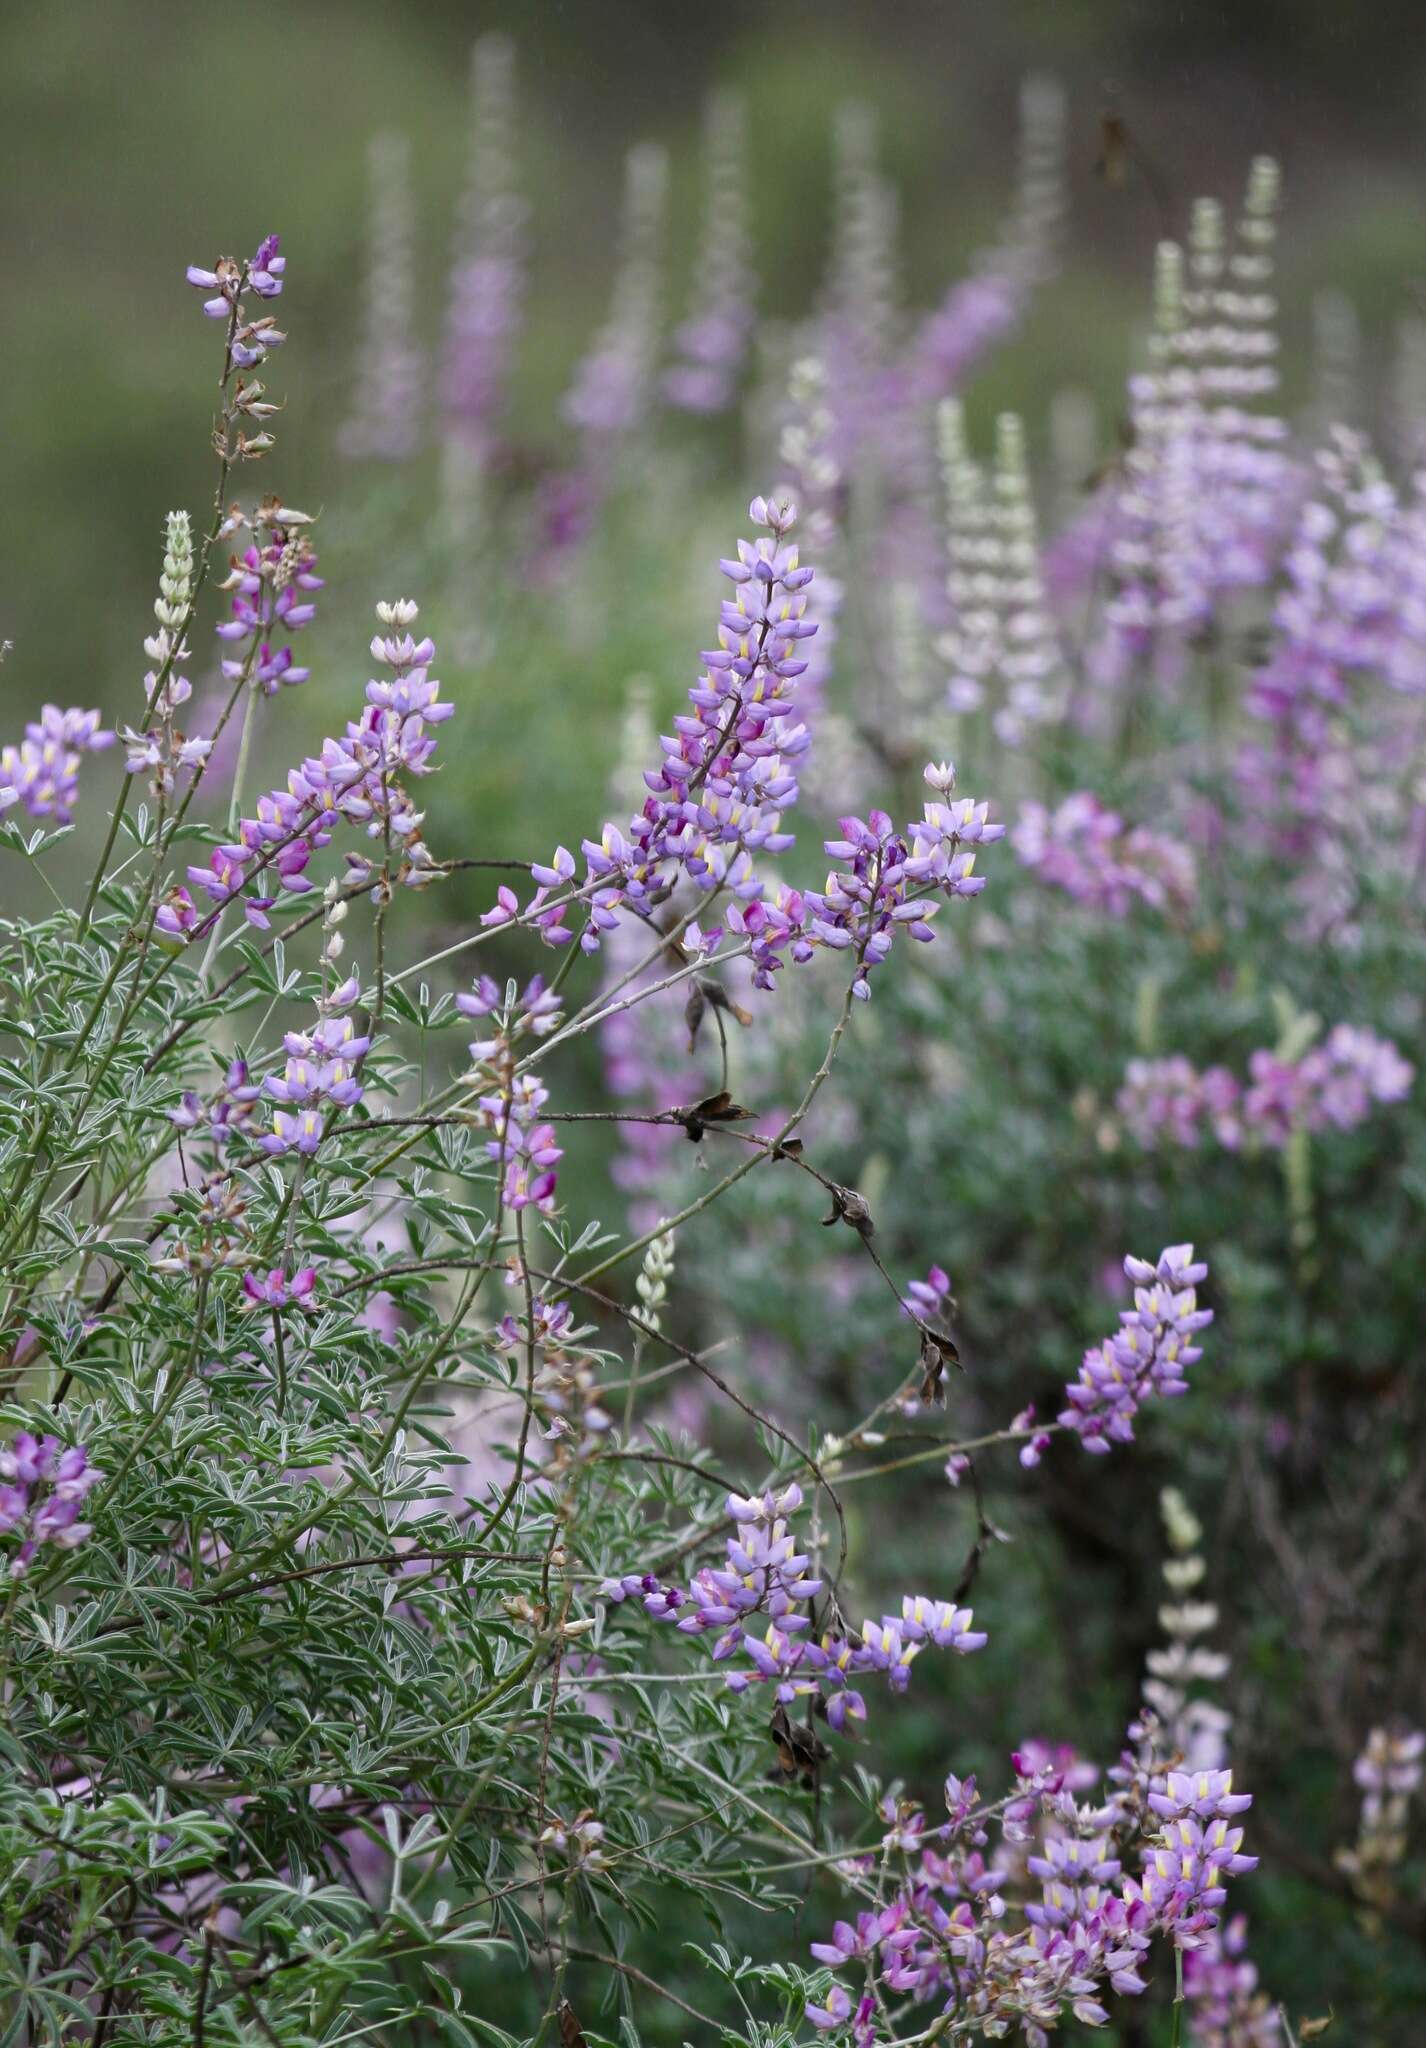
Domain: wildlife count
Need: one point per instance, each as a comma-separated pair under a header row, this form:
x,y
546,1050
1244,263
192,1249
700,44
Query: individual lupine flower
x,y
385,419
42,1487
273,583
1087,851
42,772
927,1298
175,917
276,1289
835,2013
228,283
712,343
549,1324
849,1943
486,300
1023,1425
1148,1355
358,780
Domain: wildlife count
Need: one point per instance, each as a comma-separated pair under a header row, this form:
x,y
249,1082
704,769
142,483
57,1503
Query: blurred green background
x,y
142,135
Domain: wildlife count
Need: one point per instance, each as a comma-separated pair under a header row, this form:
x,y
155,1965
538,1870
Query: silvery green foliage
x,y
324,1718
298,1727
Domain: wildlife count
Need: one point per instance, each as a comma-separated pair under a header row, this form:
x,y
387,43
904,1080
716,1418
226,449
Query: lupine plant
x,y
469,1522
295,1727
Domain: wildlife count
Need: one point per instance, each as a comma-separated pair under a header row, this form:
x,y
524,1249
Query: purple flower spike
x,y
1149,1354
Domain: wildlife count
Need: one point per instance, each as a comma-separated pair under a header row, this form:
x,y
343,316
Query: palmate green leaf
x,y
31,845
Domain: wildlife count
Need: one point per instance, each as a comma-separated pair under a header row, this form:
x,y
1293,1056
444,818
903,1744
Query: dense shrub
x,y
457,1591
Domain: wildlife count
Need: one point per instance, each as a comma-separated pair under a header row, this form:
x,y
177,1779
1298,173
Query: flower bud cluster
x,y
162,750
